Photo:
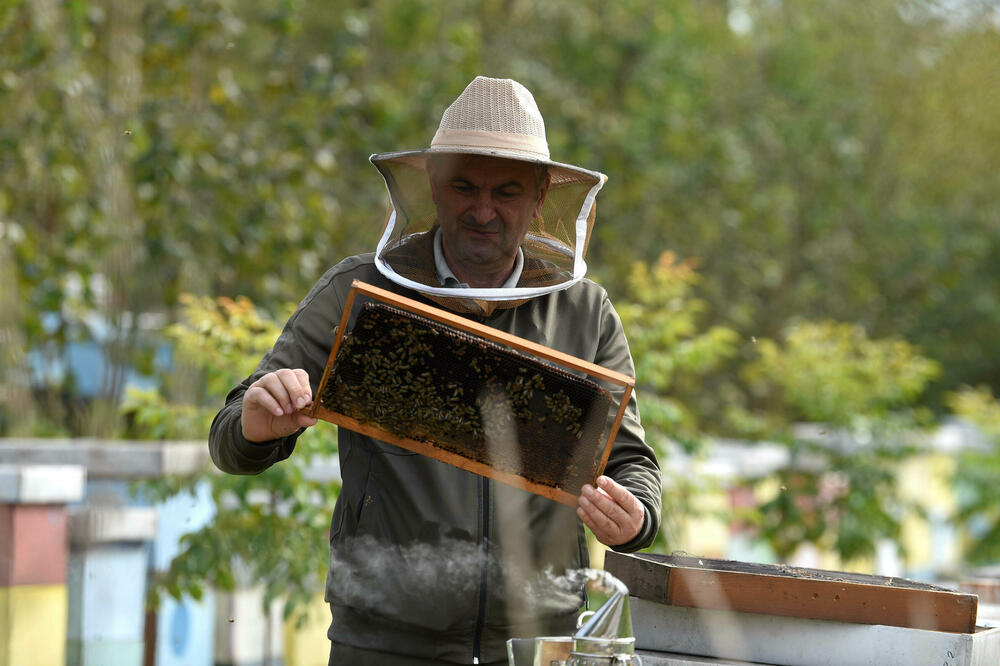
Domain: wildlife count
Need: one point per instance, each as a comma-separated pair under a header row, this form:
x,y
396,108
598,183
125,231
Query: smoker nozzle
x,y
612,619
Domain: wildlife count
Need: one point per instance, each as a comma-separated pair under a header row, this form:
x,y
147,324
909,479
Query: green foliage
x,y
844,501
673,356
820,160
663,320
269,529
839,490
223,338
148,415
834,373
977,473
215,344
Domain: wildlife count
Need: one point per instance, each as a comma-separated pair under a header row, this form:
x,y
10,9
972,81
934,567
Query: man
x,y
429,563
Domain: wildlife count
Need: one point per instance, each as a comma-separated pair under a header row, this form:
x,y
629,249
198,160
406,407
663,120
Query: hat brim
x,y
560,173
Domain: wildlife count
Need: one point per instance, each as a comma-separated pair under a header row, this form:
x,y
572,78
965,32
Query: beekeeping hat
x,y
499,118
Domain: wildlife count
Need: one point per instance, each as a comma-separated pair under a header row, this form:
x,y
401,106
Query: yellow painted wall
x,y
924,480
308,645
33,625
707,534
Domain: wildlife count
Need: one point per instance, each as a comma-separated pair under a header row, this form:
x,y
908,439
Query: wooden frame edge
x,y
437,453
470,326
315,410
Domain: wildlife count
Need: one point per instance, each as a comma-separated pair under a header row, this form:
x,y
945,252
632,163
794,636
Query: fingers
x,y
305,391
271,405
606,509
303,421
612,513
281,392
619,493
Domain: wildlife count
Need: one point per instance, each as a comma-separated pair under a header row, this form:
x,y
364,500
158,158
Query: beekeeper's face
x,y
484,206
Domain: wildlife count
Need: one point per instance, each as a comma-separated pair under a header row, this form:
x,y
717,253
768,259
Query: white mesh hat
x,y
499,118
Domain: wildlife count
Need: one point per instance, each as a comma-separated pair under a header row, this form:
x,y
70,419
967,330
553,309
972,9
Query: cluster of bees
x,y
421,380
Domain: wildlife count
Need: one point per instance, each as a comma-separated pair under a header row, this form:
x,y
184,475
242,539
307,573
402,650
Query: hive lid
x,y
777,589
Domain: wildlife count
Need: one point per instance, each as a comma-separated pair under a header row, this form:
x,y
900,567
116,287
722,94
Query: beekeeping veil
x,y
494,117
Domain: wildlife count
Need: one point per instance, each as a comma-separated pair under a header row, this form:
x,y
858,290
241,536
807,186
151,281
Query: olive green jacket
x,y
427,559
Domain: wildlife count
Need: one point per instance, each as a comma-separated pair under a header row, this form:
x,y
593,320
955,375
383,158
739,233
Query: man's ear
x,y
543,189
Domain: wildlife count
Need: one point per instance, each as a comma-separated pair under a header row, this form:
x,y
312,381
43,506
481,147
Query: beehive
x,y
781,590
469,400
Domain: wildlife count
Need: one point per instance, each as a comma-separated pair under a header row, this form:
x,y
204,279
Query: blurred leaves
x,y
834,161
832,169
663,321
843,501
224,338
839,490
833,373
270,529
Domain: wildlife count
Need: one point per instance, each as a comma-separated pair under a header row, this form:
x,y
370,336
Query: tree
x,y
270,529
674,357
216,147
839,490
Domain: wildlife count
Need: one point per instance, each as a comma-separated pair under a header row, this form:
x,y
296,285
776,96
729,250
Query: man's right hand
x,y
271,405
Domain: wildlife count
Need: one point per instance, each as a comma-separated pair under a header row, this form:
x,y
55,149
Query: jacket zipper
x,y
481,617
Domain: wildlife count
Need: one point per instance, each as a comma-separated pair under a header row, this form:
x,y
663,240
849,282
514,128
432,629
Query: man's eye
x,y
508,194
463,188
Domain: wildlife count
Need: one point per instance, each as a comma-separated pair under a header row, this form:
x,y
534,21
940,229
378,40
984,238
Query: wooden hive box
x,y
469,395
774,589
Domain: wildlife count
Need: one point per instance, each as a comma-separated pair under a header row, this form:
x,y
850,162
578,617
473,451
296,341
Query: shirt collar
x,y
448,279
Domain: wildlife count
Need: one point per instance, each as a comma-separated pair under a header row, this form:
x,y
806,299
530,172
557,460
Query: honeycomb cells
x,y
422,380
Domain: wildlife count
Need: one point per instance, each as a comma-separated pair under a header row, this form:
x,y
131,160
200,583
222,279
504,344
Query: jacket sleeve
x,y
305,343
632,462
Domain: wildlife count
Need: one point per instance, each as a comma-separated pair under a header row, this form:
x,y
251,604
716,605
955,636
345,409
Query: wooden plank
x,y
109,459
490,333
791,592
431,451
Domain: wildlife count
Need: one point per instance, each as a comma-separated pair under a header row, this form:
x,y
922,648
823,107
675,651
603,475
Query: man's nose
x,y
483,211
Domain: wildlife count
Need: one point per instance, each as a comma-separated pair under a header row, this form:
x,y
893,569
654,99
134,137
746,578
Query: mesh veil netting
x,y
554,245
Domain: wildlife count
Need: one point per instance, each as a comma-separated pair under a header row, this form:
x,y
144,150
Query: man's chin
x,y
480,249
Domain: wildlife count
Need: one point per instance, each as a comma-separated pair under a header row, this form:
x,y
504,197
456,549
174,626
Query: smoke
x,y
435,585
598,581
420,581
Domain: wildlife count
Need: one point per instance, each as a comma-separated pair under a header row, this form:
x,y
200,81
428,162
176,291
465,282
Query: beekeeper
x,y
429,563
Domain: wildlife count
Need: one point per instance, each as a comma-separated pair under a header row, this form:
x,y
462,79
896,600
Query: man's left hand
x,y
611,512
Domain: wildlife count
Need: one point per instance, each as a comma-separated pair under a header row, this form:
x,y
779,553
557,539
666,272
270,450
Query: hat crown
x,y
495,105
497,114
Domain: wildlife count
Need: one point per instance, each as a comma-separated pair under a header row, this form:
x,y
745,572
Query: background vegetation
x,y
824,176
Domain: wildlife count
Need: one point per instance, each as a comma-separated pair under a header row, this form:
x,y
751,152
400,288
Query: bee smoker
x,y
603,637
